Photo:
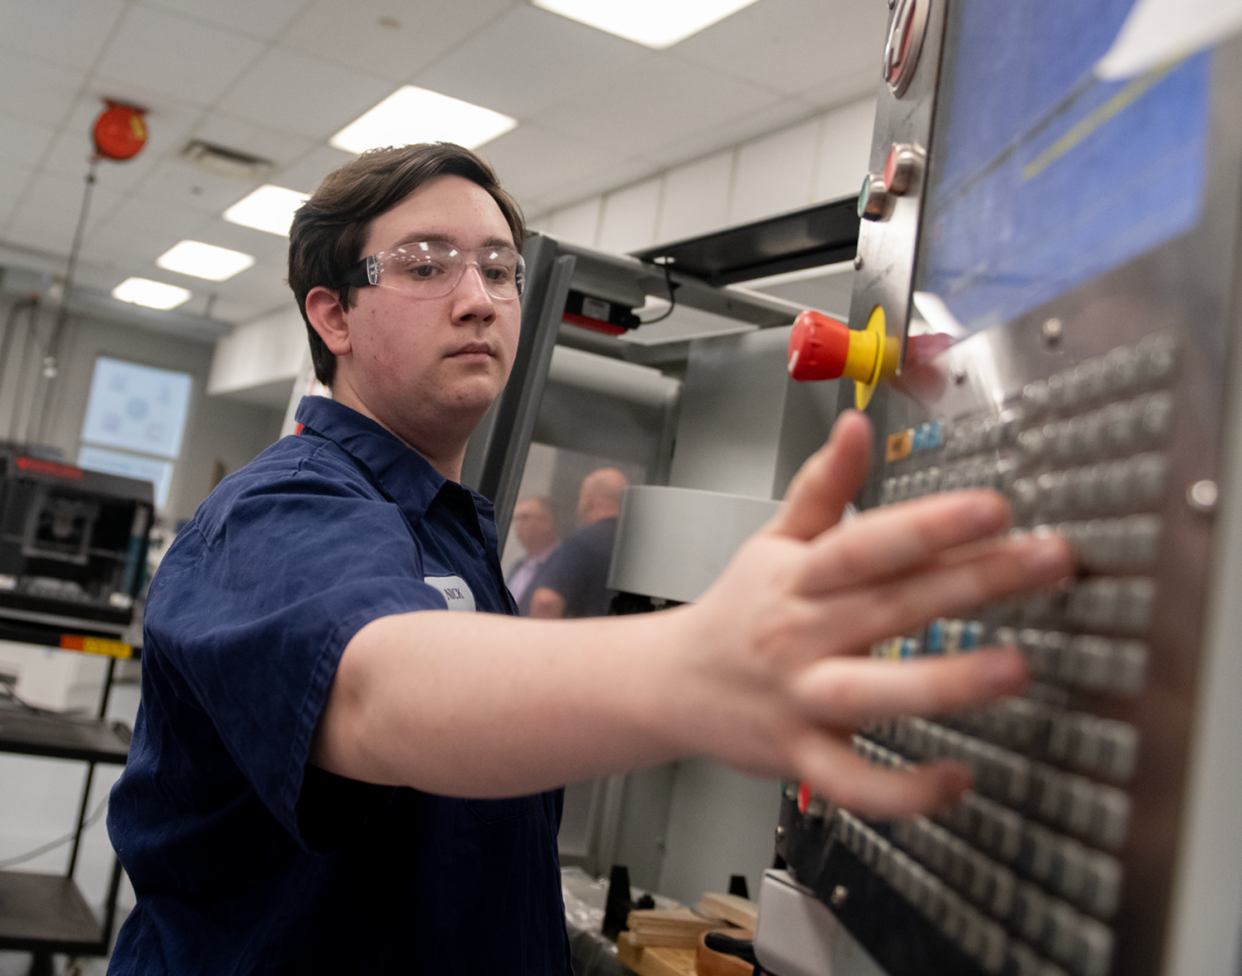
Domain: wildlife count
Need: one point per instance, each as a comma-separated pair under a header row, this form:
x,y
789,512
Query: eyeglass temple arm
x,y
365,272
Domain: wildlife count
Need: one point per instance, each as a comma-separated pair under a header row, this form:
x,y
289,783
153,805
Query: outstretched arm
x,y
768,672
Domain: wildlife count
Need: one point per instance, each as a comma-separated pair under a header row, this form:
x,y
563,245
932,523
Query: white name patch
x,y
456,593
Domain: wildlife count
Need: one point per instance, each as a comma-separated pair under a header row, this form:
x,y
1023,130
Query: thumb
x,y
827,481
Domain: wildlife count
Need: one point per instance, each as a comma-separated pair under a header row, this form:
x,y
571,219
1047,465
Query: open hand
x,y
788,626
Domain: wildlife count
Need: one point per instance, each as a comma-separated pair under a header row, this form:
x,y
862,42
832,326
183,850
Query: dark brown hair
x,y
330,229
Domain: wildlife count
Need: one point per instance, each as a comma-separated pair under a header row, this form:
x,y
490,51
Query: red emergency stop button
x,y
821,348
818,347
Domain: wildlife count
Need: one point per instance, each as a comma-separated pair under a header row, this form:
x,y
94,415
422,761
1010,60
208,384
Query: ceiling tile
x,y
653,102
357,33
36,90
261,246
114,246
308,172
175,181
263,20
543,56
844,91
24,141
295,93
14,178
162,224
58,199
792,46
695,145
64,32
282,148
618,172
43,230
183,59
533,162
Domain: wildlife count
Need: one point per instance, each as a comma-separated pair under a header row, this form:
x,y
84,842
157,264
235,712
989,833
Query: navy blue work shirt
x,y
245,859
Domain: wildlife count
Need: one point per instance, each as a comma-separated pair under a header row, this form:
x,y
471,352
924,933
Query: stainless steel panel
x,y
886,247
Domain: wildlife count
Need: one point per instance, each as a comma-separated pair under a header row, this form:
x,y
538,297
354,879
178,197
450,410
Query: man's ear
x,y
327,317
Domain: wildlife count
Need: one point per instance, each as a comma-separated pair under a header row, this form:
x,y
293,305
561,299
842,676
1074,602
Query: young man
x,y
335,770
574,582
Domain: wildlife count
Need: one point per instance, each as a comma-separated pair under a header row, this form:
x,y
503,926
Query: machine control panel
x,y
1064,314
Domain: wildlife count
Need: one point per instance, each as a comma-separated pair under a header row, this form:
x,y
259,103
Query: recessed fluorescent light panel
x,y
655,23
204,260
268,208
152,294
417,115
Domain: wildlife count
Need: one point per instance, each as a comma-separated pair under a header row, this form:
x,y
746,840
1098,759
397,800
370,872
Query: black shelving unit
x,y
46,913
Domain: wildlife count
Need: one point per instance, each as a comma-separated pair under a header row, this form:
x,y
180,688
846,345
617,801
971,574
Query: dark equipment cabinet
x,y
73,549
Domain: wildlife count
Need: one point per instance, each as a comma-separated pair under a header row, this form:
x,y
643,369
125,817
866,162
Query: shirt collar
x,y
401,472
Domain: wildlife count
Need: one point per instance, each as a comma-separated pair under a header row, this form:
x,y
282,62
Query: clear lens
x,y
432,269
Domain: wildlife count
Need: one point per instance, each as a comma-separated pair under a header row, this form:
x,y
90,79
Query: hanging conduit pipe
x,y
30,305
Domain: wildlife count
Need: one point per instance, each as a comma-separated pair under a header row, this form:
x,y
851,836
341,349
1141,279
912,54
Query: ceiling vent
x,y
231,163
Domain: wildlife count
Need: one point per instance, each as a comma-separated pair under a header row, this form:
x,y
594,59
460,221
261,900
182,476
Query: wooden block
x,y
663,961
677,921
675,940
629,954
730,908
707,962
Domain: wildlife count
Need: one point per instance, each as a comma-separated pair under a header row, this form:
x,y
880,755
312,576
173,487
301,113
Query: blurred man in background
x,y
574,580
534,524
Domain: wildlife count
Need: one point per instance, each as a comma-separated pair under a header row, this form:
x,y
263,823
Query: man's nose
x,y
472,296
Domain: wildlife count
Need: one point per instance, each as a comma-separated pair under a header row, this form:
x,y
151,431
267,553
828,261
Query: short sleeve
x,y
257,599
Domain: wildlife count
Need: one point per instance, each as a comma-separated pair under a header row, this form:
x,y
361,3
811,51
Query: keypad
x,y
1024,872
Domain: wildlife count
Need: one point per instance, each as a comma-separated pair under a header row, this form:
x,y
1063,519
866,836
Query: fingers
x,y
827,481
892,540
836,772
850,691
951,583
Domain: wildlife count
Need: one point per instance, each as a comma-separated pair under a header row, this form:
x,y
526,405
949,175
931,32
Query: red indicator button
x,y
804,796
902,167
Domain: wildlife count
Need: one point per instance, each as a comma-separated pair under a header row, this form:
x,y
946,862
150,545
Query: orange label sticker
x,y
95,645
899,445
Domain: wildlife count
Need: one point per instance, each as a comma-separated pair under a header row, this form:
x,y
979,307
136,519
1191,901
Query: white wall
x,y
261,352
823,158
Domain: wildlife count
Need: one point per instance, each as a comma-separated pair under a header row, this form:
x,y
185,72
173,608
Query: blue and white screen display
x,y
137,408
1047,175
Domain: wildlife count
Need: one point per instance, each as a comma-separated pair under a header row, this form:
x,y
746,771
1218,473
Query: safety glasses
x,y
432,269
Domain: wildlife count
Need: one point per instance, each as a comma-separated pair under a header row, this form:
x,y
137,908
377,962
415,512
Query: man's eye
x,y
498,272
423,271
